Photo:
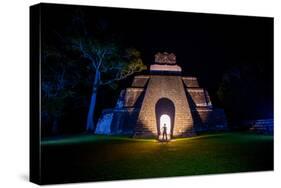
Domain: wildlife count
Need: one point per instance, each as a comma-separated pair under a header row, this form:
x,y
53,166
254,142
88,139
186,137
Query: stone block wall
x,y
136,109
140,81
199,97
124,120
190,82
171,88
133,97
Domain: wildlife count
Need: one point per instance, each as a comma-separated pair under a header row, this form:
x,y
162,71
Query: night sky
x,y
206,45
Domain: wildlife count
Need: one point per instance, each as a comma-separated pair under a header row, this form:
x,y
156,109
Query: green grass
x,y
97,158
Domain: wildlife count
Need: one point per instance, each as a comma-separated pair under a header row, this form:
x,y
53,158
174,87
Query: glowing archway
x,y
165,114
165,121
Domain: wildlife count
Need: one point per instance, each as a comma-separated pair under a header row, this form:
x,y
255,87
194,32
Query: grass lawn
x,y
98,158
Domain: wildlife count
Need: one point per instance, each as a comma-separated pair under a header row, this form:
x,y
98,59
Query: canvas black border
x,y
35,19
34,96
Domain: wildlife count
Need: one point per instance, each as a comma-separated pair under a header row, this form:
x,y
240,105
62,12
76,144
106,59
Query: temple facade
x,y
162,98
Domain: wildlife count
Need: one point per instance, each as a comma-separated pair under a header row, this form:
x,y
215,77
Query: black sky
x,y
206,45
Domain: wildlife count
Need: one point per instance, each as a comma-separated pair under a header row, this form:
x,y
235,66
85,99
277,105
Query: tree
x,y
240,93
108,63
58,79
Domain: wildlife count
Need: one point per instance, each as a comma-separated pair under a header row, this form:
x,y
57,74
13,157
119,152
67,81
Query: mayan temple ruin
x,y
163,96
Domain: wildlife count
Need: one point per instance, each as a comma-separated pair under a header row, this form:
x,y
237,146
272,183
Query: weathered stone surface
x,y
140,81
124,120
105,122
165,58
190,81
200,97
162,68
170,87
139,108
133,97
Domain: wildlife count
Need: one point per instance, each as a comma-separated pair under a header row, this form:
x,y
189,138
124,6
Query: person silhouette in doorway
x,y
164,138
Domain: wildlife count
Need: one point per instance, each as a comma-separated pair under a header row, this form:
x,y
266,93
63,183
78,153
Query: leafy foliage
x,y
82,58
240,93
110,60
59,78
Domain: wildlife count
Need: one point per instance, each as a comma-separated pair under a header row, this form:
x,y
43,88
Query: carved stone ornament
x,y
165,58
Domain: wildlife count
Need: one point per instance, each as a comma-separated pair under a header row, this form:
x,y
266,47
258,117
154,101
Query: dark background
x,y
214,48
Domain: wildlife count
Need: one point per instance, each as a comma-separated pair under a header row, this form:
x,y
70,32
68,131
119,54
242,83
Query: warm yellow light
x,y
165,120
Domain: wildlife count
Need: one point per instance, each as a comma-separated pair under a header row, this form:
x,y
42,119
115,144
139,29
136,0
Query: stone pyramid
x,y
162,97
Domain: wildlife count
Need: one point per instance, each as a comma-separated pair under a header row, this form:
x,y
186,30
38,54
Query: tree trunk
x,y
91,112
